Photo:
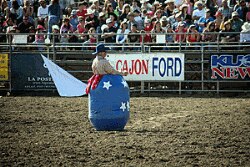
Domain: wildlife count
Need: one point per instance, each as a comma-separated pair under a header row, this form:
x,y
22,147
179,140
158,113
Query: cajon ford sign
x,y
148,67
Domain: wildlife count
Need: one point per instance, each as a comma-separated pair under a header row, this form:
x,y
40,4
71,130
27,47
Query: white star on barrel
x,y
124,83
123,107
107,85
128,105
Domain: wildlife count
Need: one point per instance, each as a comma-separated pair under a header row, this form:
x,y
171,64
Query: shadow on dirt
x,y
54,93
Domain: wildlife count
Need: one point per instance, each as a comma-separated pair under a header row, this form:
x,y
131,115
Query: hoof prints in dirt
x,y
165,131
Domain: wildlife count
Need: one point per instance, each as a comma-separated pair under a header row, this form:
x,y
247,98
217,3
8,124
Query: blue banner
x,y
29,72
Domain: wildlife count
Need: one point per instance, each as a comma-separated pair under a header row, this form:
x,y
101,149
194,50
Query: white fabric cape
x,y
66,84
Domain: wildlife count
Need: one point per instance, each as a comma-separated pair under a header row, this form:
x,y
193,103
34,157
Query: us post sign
x,y
29,72
4,67
227,66
150,67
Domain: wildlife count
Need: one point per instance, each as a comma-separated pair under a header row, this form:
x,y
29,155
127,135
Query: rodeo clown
x,y
100,67
108,94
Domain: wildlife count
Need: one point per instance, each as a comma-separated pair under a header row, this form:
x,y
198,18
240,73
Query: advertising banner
x,y
150,67
230,67
4,74
29,72
4,67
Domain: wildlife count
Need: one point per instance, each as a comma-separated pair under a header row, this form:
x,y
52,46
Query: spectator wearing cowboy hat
x,y
184,13
114,20
102,21
109,34
236,22
92,19
225,36
56,31
154,7
164,22
172,19
199,12
245,33
177,20
169,8
157,5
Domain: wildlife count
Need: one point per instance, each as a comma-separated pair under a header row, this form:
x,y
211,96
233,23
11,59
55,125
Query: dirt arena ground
x,y
162,131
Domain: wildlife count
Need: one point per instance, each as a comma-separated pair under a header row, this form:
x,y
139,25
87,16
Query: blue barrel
x,y
109,104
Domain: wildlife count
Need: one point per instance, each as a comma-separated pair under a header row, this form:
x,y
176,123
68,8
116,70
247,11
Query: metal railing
x,y
197,56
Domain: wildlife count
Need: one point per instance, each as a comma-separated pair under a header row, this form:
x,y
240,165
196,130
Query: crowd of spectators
x,y
126,21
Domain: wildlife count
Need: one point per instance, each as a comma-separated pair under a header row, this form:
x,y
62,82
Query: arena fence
x,y
232,63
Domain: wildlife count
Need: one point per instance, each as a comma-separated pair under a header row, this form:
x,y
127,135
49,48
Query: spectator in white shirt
x,y
16,11
122,33
199,12
42,12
